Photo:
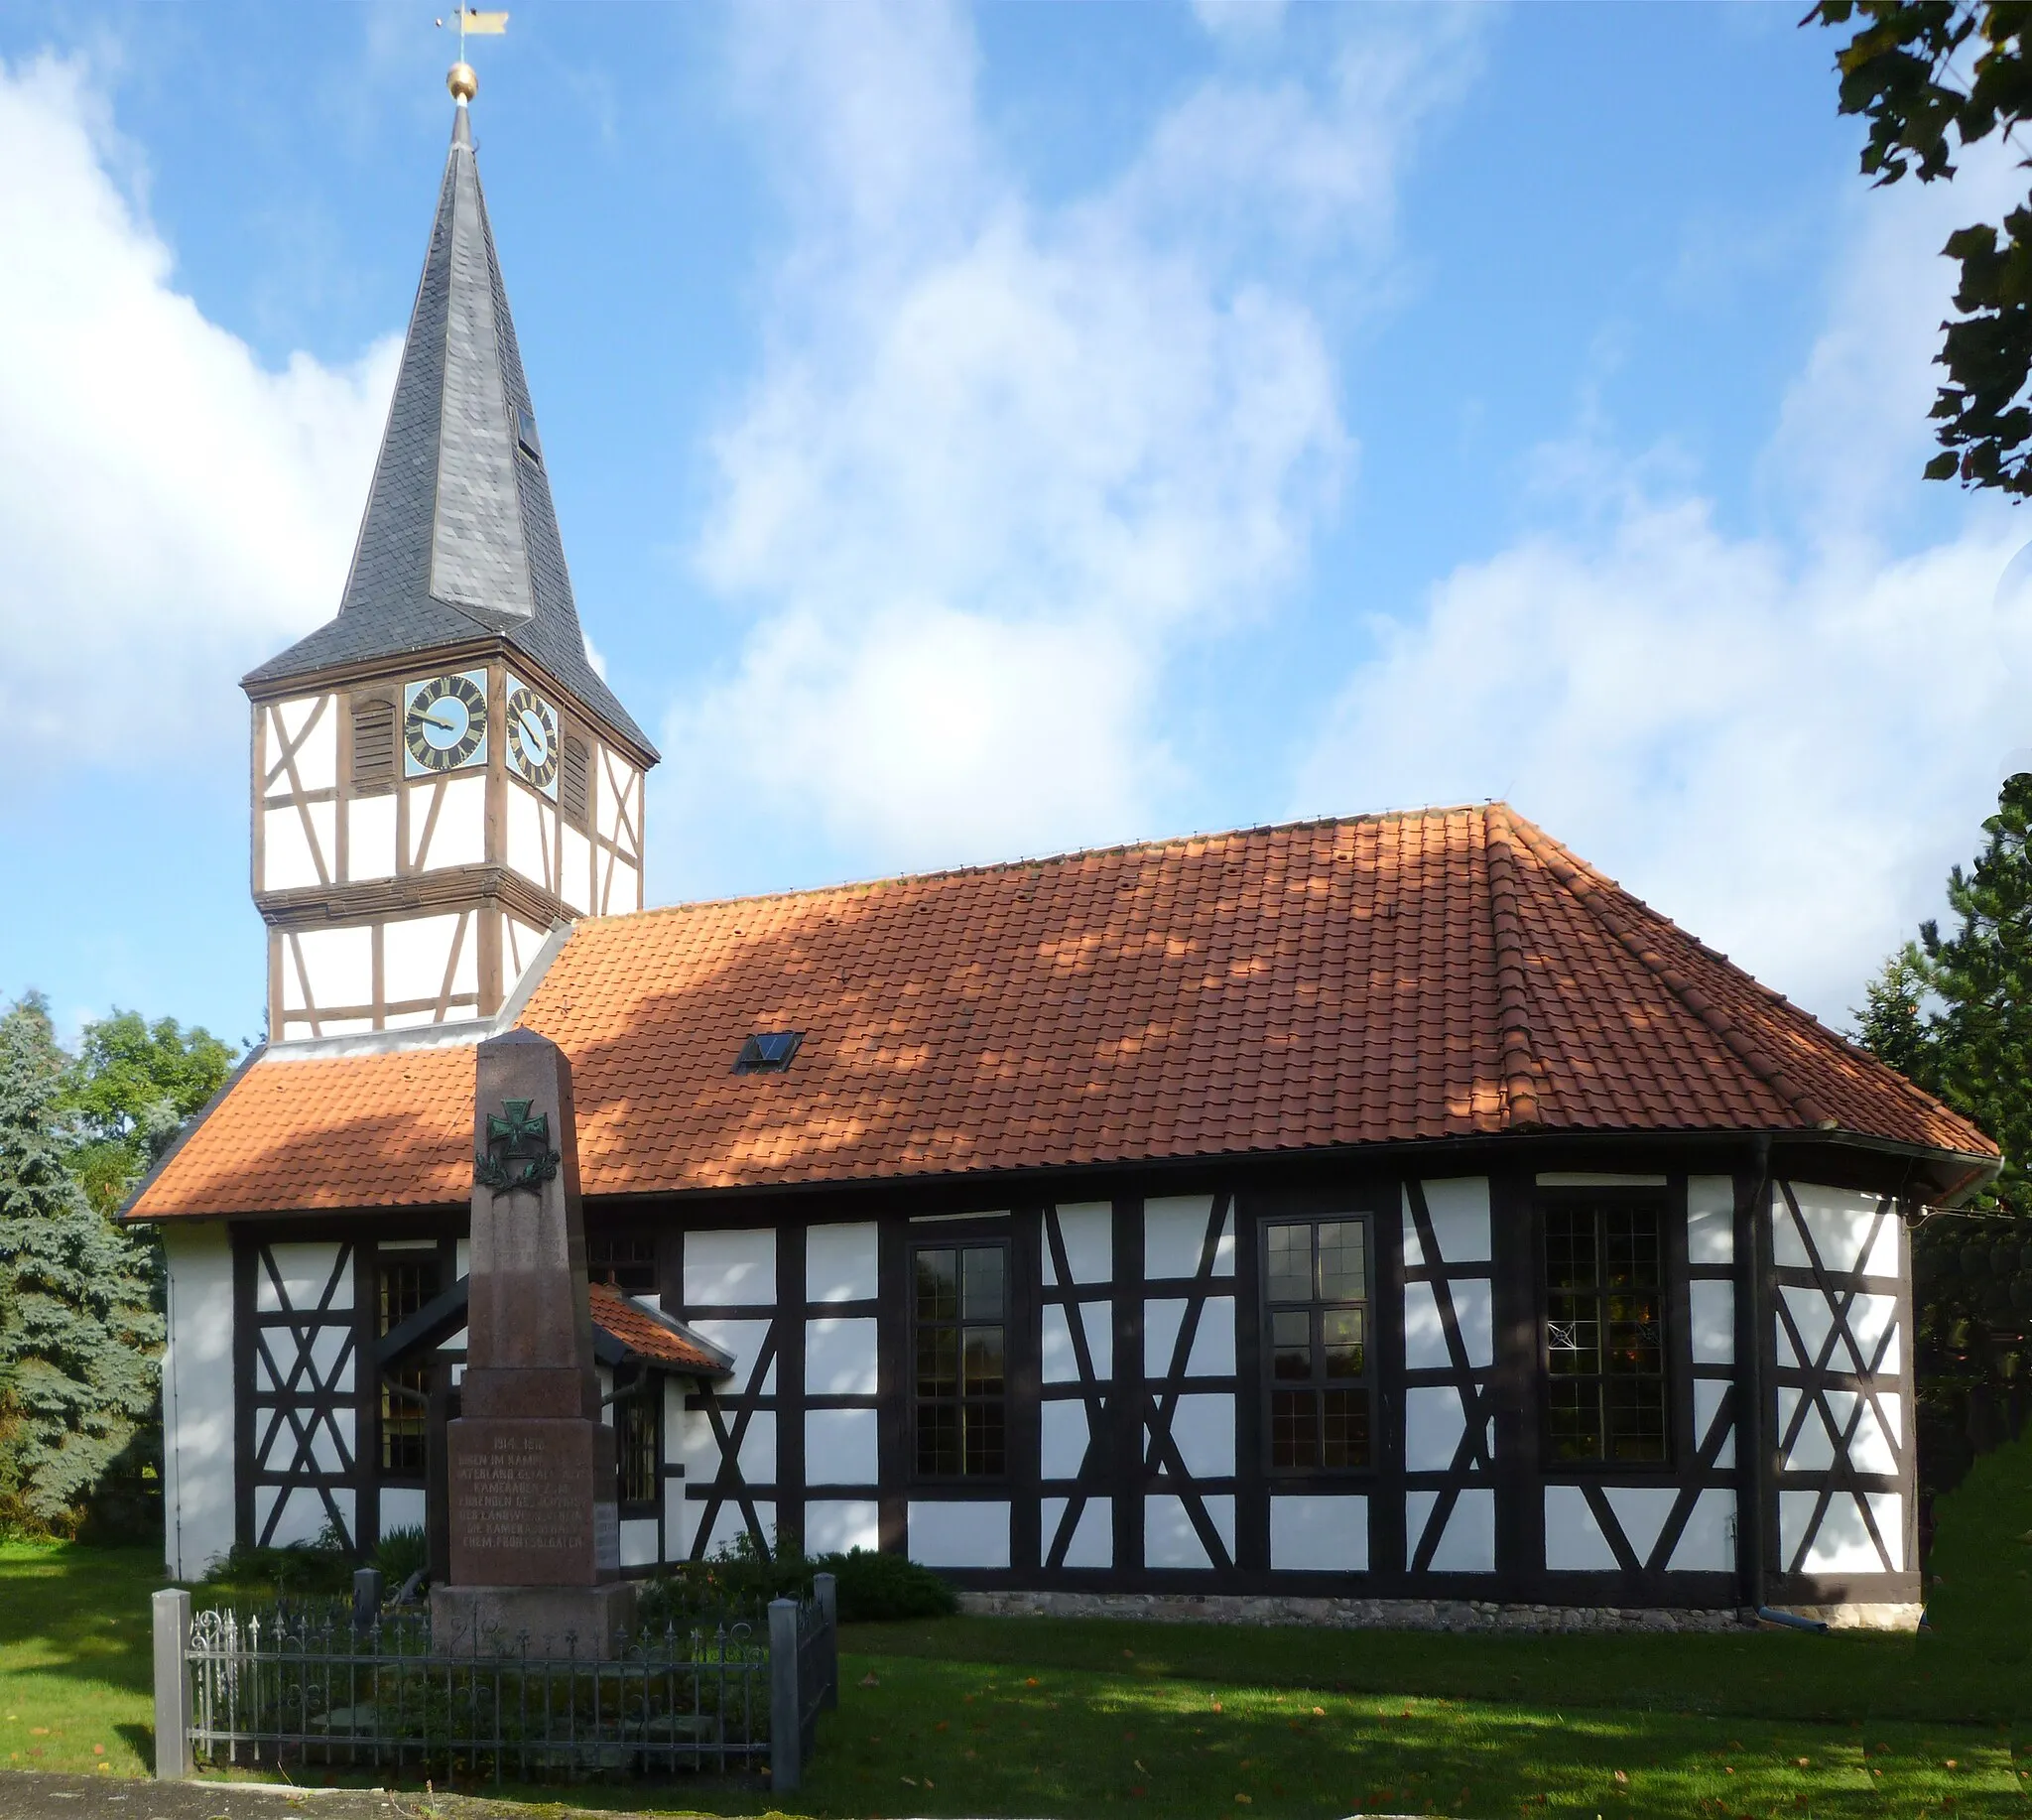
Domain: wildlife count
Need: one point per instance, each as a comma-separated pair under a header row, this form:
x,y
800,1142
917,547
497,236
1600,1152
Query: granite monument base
x,y
594,1622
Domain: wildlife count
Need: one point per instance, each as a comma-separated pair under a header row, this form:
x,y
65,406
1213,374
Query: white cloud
x,y
169,511
1782,741
1005,459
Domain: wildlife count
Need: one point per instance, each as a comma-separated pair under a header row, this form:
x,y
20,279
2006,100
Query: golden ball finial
x,y
463,81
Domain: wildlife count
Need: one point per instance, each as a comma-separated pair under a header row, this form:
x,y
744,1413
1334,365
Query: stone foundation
x,y
1474,1614
591,1622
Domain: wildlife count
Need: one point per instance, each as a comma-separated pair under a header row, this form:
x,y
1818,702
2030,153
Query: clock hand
x,y
450,726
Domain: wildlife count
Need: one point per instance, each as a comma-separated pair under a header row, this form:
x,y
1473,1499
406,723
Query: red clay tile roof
x,y
1445,973
648,1336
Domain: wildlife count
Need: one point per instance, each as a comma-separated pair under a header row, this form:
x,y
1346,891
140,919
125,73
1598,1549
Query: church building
x,y
1383,1209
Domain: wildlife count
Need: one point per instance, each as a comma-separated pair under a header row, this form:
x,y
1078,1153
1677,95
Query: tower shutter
x,y
574,780
373,744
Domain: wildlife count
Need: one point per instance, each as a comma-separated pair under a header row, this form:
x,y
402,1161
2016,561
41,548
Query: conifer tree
x,y
78,1334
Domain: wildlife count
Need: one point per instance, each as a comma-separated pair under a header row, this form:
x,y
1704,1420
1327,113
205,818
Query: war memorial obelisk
x,y
534,1529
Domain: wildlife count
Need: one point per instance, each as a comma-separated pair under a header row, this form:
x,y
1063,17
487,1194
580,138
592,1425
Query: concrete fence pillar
x,y
786,1744
825,1588
368,1593
172,1685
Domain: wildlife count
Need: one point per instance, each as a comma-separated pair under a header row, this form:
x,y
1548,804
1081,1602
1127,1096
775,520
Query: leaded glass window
x,y
959,1336
1316,1321
635,1439
1604,1335
407,1280
627,1260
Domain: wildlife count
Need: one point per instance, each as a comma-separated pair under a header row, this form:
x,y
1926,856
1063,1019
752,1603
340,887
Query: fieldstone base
x,y
1347,1613
1861,1615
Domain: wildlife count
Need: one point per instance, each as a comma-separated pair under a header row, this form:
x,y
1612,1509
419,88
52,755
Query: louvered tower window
x,y
373,744
574,780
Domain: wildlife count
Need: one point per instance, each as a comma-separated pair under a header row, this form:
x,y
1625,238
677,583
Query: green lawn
x,y
1032,1716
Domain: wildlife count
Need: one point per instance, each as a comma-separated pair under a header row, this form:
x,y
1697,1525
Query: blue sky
x,y
986,432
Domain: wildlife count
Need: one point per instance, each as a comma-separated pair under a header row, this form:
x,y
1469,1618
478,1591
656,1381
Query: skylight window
x,y
525,436
768,1052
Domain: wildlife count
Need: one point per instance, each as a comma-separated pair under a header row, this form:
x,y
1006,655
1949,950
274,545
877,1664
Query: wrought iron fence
x,y
310,1686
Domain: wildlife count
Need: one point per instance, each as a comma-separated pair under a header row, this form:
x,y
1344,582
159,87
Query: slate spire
x,y
459,538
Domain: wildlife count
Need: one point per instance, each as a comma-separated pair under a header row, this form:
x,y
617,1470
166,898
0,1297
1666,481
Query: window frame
x,y
1369,1381
956,1243
606,1269
644,1398
1600,1202
413,1377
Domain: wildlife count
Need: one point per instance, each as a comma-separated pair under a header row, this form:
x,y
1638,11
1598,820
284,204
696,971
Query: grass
x,y
1034,1716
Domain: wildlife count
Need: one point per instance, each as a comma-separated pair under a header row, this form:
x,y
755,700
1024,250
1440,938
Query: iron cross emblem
x,y
518,1153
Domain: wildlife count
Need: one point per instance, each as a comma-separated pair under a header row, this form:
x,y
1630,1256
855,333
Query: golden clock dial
x,y
531,737
444,723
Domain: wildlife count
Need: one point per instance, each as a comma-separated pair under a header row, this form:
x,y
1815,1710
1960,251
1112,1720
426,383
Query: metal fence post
x,y
786,1721
826,1588
171,1611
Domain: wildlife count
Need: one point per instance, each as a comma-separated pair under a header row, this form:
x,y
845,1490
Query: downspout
x,y
1750,1527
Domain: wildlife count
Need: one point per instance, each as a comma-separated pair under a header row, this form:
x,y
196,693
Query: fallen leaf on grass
x,y
1319,1711
911,1779
98,1750
1138,1761
868,1679
1802,1761
1029,1680
943,1724
1245,1801
1130,1653
1622,1777
1217,1706
39,1731
1139,1791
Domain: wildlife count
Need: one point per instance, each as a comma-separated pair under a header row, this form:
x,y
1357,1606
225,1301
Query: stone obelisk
x,y
535,1537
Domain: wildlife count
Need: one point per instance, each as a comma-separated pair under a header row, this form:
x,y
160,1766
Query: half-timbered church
x,y
1381,1208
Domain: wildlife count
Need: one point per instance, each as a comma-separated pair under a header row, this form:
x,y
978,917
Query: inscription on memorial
x,y
521,1492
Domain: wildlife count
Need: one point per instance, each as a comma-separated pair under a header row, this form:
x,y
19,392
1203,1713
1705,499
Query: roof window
x,y
768,1052
525,436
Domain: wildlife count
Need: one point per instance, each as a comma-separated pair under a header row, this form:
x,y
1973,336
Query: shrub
x,y
299,1570
401,1553
875,1588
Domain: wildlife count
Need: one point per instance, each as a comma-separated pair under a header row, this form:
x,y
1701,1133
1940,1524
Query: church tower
x,y
439,776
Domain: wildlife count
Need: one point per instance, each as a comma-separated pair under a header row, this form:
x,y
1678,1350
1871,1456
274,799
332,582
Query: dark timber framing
x,y
1128,1292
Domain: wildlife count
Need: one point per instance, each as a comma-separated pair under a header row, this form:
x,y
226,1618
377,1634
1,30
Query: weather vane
x,y
462,80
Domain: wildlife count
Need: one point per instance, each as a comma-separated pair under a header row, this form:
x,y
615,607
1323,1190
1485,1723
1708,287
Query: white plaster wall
x,y
730,1269
731,1522
1708,1543
197,1399
1087,1228
639,1540
841,1447
522,942
304,1516
841,1263
1213,1352
316,757
1712,1307
1092,1541
1063,1429
1871,1448
1468,1545
305,1268
1169,1538
1319,1534
1574,1542
415,953
960,1534
1459,1209
1842,1543
1175,1231
1059,1363
289,857
575,880
403,1506
621,890
1433,1426
1202,1430
758,1448
1641,1513
839,1357
1870,1318
338,965
370,837
835,1526
459,835
1425,1334
1708,1395
1839,1222
528,849
742,1341
1710,1220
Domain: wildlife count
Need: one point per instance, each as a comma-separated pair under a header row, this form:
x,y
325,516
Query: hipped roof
x,y
1443,974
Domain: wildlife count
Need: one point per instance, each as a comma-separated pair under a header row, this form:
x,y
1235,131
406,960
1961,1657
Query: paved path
x,y
29,1796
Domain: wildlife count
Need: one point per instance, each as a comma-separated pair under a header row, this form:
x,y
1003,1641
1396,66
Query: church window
x,y
627,1260
407,1281
525,436
768,1052
373,744
1604,1334
959,1341
1316,1322
574,780
636,1440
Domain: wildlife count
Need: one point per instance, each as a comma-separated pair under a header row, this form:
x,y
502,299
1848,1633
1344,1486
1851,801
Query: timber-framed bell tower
x,y
439,775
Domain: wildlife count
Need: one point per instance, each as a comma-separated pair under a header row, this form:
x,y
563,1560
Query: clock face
x,y
444,723
531,737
